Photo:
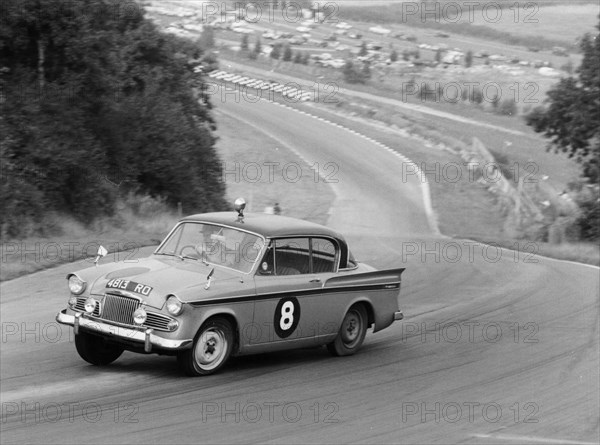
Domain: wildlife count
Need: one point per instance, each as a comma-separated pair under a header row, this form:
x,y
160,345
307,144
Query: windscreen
x,y
213,244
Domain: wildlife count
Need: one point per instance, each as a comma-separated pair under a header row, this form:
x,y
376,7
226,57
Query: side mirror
x,y
101,253
265,269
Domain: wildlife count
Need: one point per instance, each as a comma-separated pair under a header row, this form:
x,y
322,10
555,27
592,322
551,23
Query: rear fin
x,y
378,277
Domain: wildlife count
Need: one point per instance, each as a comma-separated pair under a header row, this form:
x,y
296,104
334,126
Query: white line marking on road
x,y
425,190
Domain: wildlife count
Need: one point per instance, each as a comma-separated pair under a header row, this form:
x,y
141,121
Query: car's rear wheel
x,y
352,332
211,348
96,350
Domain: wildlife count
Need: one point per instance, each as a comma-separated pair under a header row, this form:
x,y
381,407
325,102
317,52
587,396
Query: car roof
x,y
274,226
267,225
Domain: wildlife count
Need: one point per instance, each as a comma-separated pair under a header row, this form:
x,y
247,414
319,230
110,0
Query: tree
x,y
244,44
394,56
207,38
287,53
568,67
438,56
354,75
495,101
406,55
508,107
305,58
298,57
366,70
363,49
276,51
469,59
122,94
257,46
572,112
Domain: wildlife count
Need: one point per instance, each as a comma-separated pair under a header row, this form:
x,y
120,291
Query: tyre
x,y
352,332
95,350
211,348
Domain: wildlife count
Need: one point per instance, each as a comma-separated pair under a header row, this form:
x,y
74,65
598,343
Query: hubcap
x,y
210,349
351,328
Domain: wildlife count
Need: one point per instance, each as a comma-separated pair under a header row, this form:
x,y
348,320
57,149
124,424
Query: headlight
x,y
174,306
139,316
76,285
90,305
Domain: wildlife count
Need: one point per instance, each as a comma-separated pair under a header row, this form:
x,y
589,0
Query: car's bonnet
x,y
154,278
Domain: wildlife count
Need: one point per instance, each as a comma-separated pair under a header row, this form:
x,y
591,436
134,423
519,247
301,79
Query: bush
x,y
276,52
473,95
287,53
23,209
589,221
507,107
469,59
429,93
354,75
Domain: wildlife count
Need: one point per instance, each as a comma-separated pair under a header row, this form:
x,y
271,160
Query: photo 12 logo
x,y
273,172
468,251
469,11
269,11
53,412
270,412
65,251
470,412
471,331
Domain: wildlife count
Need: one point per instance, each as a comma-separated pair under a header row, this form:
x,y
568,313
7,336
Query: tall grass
x,y
139,220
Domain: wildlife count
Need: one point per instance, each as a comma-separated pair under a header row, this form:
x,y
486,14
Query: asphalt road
x,y
496,347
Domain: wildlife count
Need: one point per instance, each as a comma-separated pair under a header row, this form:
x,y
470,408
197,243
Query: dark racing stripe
x,y
296,293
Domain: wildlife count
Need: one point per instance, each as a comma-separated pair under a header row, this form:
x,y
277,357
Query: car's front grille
x,y
119,309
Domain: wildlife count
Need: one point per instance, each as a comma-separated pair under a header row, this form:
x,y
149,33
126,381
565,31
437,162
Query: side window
x,y
292,256
323,255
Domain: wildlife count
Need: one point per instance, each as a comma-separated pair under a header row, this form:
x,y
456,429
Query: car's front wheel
x,y
211,348
352,332
95,350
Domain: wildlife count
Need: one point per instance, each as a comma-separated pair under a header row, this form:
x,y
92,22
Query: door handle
x,y
315,280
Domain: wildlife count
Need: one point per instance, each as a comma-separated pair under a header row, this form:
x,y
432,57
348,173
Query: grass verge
x,y
587,253
122,235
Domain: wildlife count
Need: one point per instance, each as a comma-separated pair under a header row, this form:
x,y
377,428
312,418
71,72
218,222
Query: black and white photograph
x,y
300,222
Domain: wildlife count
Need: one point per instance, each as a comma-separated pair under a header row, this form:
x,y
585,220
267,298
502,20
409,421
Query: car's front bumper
x,y
144,336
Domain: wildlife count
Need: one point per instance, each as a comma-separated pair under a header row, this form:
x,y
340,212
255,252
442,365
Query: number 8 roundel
x,y
287,316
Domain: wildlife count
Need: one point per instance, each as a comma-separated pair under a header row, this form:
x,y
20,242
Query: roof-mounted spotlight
x,y
239,206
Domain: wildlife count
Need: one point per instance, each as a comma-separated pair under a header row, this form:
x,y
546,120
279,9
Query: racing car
x,y
228,284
